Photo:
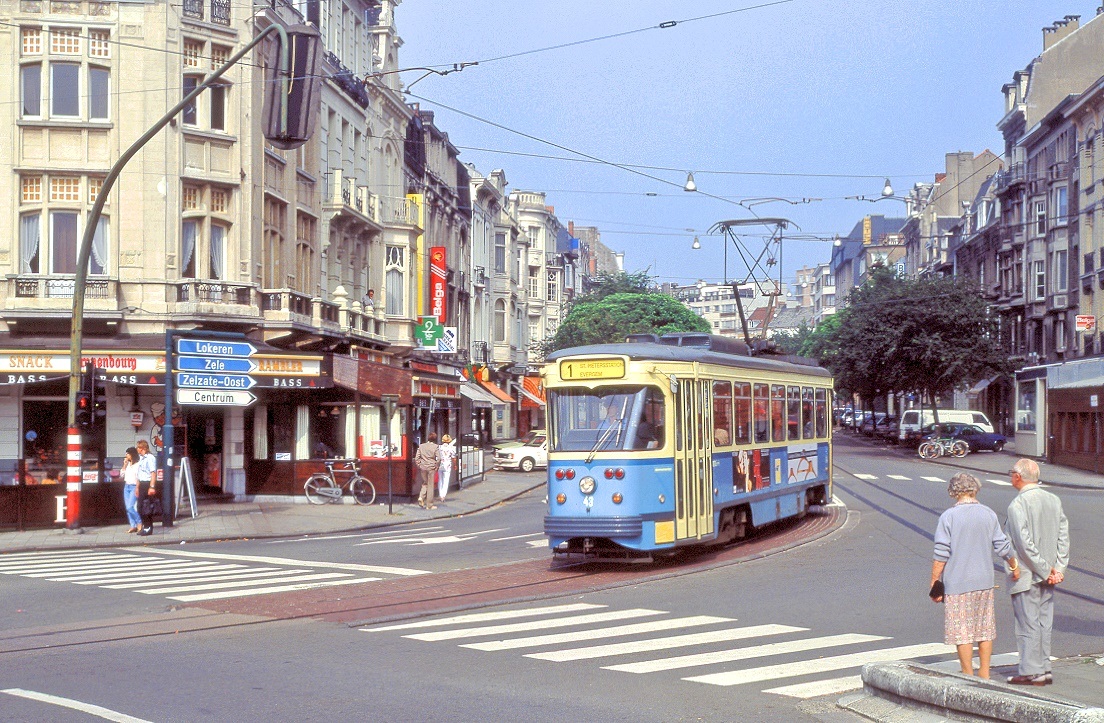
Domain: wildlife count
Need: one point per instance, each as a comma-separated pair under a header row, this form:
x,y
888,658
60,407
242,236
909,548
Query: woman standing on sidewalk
x,y
966,537
446,453
130,488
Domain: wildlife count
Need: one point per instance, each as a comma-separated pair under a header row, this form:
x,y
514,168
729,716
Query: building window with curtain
x,y
500,253
205,232
500,321
395,280
275,221
52,214
189,235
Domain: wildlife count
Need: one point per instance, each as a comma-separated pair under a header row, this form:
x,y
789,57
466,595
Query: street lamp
x,y
887,190
696,245
690,185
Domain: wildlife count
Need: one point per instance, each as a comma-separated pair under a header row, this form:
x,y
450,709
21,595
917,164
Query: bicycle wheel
x,y
960,449
928,450
364,492
320,489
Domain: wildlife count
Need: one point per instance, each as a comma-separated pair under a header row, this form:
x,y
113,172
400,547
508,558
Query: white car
x,y
526,454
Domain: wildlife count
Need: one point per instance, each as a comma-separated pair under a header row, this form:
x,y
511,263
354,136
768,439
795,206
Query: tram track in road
x,y
400,599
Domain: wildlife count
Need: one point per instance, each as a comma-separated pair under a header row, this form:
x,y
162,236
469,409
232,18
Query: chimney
x,y
1059,30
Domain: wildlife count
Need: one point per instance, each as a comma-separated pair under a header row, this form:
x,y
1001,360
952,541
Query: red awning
x,y
532,393
497,392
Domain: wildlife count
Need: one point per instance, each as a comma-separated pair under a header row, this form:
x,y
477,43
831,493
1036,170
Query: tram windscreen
x,y
606,419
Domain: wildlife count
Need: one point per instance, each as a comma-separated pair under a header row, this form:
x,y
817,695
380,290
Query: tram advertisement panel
x,y
750,470
802,464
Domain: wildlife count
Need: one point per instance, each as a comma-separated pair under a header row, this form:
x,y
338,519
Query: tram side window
x,y
807,412
722,414
821,413
762,413
778,413
793,412
741,414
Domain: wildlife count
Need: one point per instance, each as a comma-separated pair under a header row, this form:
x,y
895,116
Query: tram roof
x,y
640,351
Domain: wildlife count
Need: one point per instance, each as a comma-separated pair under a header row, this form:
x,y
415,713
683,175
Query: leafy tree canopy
x,y
609,319
792,341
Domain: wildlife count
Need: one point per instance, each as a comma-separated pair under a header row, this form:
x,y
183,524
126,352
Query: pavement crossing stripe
x,y
899,476
208,577
535,625
311,538
60,564
831,686
484,617
124,566
650,627
6,562
756,651
47,554
865,476
290,562
96,710
223,594
933,479
821,665
243,583
175,571
674,641
1001,482
516,537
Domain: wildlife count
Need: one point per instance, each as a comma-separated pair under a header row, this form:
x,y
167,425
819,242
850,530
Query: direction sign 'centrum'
x,y
214,397
208,347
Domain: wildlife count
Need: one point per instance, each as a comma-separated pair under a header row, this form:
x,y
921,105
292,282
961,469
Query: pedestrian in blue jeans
x,y
130,488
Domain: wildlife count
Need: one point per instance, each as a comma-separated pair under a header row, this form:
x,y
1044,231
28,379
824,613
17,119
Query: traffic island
x,y
900,691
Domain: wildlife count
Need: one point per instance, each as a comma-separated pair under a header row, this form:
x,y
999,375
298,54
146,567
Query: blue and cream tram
x,y
687,439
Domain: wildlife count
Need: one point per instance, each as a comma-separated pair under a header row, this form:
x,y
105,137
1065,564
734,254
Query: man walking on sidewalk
x,y
427,463
1039,531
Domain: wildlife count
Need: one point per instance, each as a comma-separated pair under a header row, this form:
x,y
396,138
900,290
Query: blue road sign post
x,y
211,347
191,380
215,365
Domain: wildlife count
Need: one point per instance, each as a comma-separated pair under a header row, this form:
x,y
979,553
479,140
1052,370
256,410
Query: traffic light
x,y
301,95
99,401
85,415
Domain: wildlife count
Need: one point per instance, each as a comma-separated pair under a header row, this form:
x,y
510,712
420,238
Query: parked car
x,y
525,454
914,421
887,429
870,423
973,435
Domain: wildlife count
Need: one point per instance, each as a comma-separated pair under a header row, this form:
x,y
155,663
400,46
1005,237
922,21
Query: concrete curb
x,y
897,690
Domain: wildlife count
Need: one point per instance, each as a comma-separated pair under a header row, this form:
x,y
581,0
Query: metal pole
x,y
390,401
167,436
76,333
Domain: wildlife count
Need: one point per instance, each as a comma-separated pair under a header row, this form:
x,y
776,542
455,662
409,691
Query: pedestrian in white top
x,y
446,453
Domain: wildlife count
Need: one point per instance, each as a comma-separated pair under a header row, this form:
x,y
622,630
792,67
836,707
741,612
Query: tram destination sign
x,y
215,397
190,380
584,369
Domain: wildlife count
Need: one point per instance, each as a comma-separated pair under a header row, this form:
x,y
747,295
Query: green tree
x,y
607,284
792,341
609,319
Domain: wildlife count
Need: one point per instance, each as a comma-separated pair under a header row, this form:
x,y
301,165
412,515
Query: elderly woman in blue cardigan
x,y
966,538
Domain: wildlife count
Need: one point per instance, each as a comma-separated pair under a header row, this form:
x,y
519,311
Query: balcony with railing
x,y
362,325
196,10
479,276
399,211
285,305
60,287
196,291
553,260
345,196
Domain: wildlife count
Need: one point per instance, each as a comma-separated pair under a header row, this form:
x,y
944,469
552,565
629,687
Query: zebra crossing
x,y
424,535
187,576
627,641
902,478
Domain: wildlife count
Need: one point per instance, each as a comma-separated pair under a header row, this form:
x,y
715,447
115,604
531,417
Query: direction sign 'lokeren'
x,y
210,347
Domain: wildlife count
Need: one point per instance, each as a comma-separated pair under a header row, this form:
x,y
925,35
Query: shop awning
x,y
982,385
499,395
478,397
532,393
1097,381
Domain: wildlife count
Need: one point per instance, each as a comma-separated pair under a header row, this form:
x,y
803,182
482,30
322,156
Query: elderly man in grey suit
x,y
1039,531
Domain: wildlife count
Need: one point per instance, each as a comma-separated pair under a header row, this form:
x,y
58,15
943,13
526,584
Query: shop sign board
x,y
438,283
427,332
215,397
1085,323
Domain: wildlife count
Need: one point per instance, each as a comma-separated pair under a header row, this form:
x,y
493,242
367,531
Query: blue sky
x,y
829,98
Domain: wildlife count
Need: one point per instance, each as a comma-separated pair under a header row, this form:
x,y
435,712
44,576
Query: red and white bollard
x,y
73,480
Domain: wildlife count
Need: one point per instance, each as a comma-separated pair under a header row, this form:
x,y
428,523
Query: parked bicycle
x,y
323,487
943,446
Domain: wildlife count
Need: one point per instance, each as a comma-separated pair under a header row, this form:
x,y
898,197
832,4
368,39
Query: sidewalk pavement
x,y
281,517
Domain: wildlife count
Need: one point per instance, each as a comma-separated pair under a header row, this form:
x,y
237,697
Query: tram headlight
x,y
587,485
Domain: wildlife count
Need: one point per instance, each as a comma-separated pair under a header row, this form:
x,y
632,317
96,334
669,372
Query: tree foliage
x,y
609,319
928,335
792,341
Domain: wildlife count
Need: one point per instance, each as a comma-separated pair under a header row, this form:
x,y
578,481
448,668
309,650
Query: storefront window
x,y
278,423
327,431
1025,408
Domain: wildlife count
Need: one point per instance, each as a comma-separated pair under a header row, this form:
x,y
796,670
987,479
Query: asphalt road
x,y
796,625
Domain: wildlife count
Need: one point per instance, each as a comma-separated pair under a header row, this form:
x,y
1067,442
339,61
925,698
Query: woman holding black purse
x,y
966,537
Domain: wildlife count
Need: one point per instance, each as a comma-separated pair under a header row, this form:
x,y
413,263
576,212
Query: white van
x,y
911,422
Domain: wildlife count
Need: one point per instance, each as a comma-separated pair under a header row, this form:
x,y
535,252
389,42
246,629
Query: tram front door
x,y
693,459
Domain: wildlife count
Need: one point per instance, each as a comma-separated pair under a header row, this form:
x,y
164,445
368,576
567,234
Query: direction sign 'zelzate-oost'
x,y
193,380
212,347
